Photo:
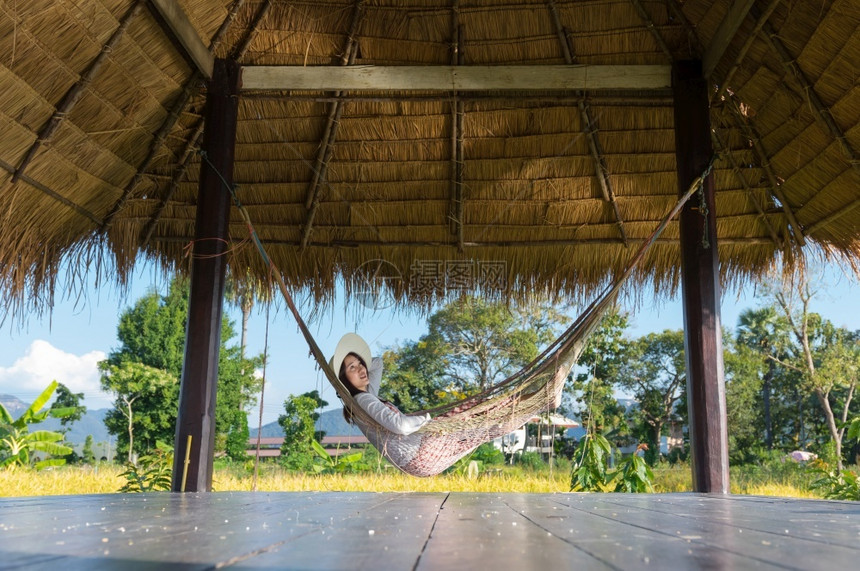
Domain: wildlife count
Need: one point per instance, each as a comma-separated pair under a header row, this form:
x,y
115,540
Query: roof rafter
x,y
329,137
807,90
177,178
728,240
750,132
74,94
191,87
761,19
726,154
53,194
192,142
725,34
179,28
600,170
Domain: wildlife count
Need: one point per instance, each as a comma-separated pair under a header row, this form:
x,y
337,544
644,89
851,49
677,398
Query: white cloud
x,y
42,363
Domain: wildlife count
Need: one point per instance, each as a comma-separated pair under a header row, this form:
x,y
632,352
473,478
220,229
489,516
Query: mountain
x,y
14,405
330,421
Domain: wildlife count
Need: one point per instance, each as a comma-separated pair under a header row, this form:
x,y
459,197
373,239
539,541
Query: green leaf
x,y
854,429
44,436
5,417
50,462
32,415
62,412
320,451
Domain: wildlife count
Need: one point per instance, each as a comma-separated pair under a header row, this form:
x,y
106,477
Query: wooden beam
x,y
195,423
726,154
806,89
456,78
700,284
183,31
725,34
761,19
585,242
53,194
751,133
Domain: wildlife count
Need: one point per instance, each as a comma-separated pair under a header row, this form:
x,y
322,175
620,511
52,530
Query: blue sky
x,y
67,345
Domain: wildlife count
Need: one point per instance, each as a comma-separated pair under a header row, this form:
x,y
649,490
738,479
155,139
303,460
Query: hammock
x,y
458,428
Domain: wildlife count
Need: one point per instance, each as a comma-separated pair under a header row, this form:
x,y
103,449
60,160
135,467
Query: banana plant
x,y
17,443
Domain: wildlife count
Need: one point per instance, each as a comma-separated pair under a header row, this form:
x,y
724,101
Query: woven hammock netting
x,y
458,428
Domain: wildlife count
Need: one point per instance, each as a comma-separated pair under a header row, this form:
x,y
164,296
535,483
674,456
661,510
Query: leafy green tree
x,y
66,399
18,443
135,384
413,377
471,344
87,454
764,332
743,368
654,372
593,386
826,357
298,422
152,335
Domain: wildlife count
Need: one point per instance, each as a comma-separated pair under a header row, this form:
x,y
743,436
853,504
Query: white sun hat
x,y
350,343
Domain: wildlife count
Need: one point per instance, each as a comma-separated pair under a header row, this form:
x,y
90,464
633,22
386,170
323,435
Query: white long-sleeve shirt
x,y
386,415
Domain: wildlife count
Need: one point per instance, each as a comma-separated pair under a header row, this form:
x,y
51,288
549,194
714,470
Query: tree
x,y
654,371
152,334
483,342
826,357
743,368
762,331
413,377
66,399
471,344
298,421
592,389
134,383
87,454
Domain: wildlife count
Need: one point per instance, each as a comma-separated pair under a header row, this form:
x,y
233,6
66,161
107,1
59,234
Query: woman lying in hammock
x,y
416,444
350,360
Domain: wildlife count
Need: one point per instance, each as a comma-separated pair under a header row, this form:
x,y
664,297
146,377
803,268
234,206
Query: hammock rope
x,y
460,427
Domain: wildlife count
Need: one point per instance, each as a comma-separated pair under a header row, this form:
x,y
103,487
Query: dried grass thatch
x,y
453,183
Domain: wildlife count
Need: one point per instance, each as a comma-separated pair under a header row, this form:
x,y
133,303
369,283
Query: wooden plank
x,y
195,424
725,34
721,530
481,531
700,286
630,537
360,531
183,31
425,531
456,78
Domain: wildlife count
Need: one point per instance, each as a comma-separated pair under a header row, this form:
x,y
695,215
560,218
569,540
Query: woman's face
x,y
356,372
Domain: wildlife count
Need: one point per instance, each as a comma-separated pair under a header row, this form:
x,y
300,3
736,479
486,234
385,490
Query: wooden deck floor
x,y
339,530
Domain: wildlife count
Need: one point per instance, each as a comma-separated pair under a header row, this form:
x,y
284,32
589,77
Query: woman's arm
x,y
389,417
374,375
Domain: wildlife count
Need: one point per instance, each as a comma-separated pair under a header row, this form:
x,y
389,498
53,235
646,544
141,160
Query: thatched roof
x,y
101,115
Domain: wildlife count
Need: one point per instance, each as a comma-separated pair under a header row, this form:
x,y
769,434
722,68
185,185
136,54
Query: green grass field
x,y
107,479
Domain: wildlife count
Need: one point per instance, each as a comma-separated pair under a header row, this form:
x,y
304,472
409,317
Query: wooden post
x,y
203,330
700,284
